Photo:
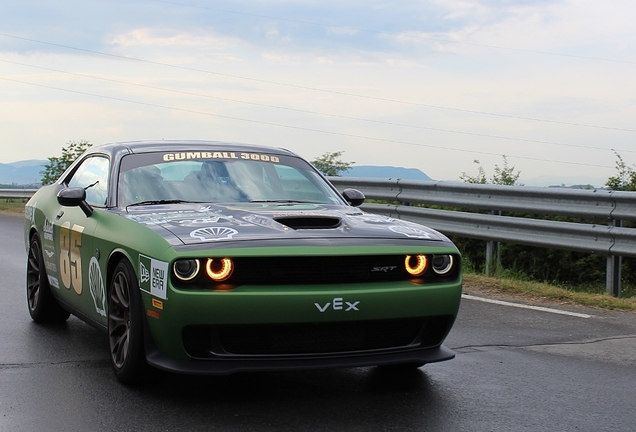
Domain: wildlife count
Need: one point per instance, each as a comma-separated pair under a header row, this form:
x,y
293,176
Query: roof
x,y
127,147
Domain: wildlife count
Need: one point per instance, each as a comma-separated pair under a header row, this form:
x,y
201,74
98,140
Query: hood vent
x,y
309,222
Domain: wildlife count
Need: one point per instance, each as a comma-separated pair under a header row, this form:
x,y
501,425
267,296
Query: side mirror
x,y
354,197
74,197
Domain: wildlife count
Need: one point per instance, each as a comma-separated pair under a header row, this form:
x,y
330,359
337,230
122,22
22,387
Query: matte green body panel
x,y
102,239
296,303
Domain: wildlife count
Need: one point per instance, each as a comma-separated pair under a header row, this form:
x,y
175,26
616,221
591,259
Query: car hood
x,y
191,224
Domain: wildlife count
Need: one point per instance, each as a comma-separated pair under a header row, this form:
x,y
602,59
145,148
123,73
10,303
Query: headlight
x,y
186,269
442,264
416,265
219,269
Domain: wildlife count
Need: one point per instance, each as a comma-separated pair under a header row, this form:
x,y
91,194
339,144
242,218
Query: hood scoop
x,y
309,222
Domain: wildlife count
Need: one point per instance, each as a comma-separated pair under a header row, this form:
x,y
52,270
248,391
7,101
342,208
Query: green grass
x,y
541,291
12,206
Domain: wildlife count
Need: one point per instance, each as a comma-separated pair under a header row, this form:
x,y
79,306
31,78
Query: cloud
x,y
432,85
166,38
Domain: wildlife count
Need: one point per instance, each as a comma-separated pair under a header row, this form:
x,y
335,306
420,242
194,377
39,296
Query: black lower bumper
x,y
223,366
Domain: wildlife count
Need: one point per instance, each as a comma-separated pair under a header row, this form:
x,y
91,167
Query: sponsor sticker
x,y
213,233
29,212
153,276
168,157
54,282
47,228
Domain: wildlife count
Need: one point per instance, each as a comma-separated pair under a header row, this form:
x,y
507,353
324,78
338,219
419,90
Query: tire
x,y
43,307
125,325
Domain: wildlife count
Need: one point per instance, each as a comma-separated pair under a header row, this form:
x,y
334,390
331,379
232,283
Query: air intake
x,y
304,222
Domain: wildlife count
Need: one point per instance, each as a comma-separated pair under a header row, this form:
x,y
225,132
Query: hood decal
x,y
410,231
214,223
213,233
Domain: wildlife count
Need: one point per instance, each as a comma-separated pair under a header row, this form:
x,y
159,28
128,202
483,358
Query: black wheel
x,y
42,305
125,325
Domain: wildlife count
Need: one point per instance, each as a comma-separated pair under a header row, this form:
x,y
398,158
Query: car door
x,y
80,280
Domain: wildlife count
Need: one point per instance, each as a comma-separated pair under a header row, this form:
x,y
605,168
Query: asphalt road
x,y
516,370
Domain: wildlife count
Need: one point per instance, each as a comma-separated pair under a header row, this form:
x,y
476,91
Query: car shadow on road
x,y
340,399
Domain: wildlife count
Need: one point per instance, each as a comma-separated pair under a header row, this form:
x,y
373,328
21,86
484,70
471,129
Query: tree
x,y
57,165
330,164
473,249
625,178
505,175
480,178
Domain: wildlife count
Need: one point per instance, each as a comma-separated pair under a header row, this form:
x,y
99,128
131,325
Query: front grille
x,y
311,270
303,339
318,270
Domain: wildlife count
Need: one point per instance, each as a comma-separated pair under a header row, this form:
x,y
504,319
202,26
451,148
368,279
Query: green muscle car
x,y
205,257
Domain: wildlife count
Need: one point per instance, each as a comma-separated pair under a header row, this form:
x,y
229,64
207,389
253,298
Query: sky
x,y
445,86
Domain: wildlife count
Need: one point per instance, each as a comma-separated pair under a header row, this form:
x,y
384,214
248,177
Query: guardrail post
x,y
613,276
492,252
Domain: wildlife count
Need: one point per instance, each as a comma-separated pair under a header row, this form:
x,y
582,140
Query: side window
x,y
92,175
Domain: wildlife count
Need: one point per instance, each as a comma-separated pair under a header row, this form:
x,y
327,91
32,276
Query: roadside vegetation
x,y
15,206
577,277
543,292
331,164
58,164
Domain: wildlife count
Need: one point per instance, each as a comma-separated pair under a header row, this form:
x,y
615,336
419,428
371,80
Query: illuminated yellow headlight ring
x,y
219,269
418,267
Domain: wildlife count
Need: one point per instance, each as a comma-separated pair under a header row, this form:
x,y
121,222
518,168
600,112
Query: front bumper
x,y
226,367
301,327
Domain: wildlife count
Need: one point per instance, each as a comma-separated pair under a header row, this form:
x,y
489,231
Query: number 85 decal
x,y
70,257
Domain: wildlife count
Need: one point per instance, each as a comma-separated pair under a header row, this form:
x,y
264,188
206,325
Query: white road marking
x,y
523,306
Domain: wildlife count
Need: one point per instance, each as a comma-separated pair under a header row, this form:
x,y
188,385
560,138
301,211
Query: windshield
x,y
223,177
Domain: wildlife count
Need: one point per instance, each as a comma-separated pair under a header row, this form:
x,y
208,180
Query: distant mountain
x,y
22,172
560,181
385,172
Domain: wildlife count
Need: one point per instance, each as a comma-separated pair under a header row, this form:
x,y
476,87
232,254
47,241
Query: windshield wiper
x,y
157,202
91,185
283,201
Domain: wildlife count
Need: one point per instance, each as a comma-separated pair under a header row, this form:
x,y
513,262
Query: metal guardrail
x,y
593,203
610,239
16,193
540,200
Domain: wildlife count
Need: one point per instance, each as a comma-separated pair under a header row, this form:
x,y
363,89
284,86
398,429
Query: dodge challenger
x,y
204,257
